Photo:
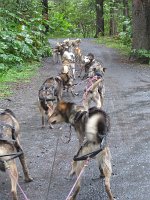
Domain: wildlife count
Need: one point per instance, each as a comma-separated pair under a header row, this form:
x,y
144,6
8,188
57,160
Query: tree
x,y
113,24
45,13
99,18
125,12
141,25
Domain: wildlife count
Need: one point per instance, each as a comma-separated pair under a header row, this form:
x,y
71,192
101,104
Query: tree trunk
x,y
99,18
45,13
141,24
125,12
113,24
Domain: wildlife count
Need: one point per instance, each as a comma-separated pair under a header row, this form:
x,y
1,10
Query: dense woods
x,y
27,24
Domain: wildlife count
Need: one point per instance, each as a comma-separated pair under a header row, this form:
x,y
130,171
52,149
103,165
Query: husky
x,y
58,52
92,127
86,62
10,149
49,93
68,59
95,88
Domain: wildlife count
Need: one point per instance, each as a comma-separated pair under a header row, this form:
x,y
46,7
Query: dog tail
x,y
98,125
9,112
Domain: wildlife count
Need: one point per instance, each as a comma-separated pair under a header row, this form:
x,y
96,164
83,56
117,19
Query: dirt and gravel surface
x,y
127,101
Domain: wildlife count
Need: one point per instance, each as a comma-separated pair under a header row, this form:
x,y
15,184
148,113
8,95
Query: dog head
x,y
47,93
69,56
61,113
76,42
96,69
88,59
58,113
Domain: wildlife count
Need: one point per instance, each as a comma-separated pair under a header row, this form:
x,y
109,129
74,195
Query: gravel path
x,y
127,101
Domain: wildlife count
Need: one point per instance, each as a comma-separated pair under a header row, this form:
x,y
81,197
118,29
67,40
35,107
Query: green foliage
x,y
15,74
126,35
142,54
59,26
22,40
115,42
22,37
72,18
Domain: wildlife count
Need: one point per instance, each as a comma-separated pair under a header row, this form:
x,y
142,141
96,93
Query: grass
x,y
15,75
115,43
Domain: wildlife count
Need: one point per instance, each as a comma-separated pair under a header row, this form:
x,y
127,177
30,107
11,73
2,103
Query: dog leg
x,y
105,169
77,167
25,168
23,162
59,59
81,69
73,167
42,113
86,101
54,58
13,174
43,121
102,99
73,72
97,100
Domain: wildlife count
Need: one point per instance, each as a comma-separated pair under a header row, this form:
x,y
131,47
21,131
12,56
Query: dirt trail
x,y
127,101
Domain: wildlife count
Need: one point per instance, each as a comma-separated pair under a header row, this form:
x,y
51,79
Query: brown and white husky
x,y
92,127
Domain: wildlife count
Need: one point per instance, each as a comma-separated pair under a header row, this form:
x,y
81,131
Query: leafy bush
x,y
126,35
22,40
142,54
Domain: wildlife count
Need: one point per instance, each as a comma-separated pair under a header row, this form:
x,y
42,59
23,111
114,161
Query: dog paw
x,y
29,179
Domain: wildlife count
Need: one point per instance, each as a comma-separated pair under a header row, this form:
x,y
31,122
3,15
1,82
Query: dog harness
x,y
91,154
12,155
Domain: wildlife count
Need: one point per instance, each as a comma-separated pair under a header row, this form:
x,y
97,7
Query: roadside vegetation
x,y
23,42
26,25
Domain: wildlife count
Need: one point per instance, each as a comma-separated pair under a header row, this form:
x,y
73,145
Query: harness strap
x,y
91,154
14,155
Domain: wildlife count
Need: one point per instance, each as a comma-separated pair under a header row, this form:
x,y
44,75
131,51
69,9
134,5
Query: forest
x,y
26,26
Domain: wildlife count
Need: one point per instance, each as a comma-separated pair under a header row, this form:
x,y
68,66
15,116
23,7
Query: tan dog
x,y
10,146
92,127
